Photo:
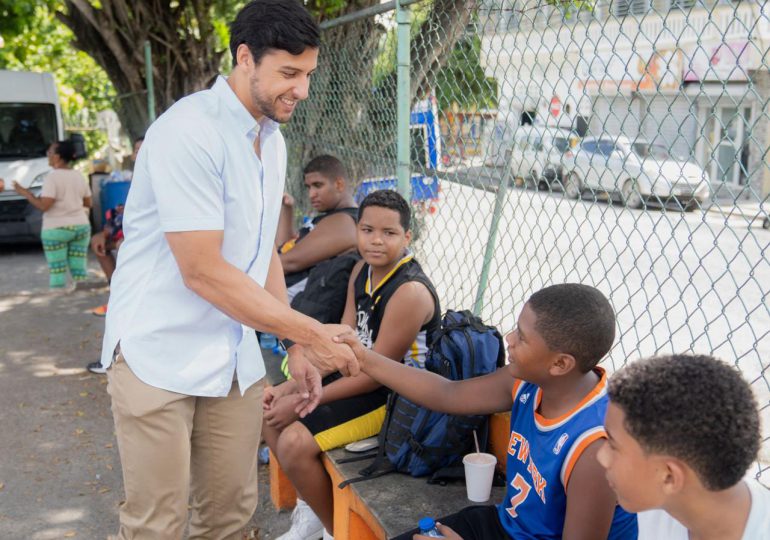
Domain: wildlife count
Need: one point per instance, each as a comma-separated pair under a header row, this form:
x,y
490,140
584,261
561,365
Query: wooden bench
x,y
384,507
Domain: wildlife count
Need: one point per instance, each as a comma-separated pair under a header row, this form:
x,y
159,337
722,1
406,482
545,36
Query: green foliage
x,y
36,41
463,81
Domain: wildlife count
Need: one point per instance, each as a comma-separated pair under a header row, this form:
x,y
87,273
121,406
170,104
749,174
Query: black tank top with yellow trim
x,y
371,301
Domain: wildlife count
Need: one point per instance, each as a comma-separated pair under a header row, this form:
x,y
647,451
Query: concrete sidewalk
x,y
60,470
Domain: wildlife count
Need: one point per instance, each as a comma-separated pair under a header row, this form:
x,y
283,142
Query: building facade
x,y
691,75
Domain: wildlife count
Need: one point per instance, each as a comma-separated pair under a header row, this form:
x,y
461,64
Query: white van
x,y
538,153
30,120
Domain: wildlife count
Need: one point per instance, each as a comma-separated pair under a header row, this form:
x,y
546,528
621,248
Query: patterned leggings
x,y
66,247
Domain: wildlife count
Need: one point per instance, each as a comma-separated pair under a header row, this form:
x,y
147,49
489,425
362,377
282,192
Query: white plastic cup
x,y
479,471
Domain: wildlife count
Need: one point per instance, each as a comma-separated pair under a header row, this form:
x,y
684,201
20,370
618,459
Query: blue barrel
x,y
114,194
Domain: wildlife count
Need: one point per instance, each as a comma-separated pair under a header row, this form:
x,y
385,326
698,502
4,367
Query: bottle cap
x,y
427,524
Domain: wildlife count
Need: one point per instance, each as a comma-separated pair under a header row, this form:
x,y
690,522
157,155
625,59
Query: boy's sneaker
x,y
96,367
305,525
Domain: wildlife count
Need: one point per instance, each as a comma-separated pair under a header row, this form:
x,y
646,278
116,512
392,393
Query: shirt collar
x,y
242,117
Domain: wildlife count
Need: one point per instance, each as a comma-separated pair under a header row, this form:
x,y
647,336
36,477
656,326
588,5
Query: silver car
x,y
636,172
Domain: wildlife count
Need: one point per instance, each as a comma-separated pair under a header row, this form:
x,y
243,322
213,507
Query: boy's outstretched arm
x,y
590,500
481,395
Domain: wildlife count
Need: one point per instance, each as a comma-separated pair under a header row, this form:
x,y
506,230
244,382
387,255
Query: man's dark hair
x,y
327,166
692,407
66,150
273,24
387,198
575,319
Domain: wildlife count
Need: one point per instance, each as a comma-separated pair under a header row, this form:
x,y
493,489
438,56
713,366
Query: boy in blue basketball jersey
x,y
558,398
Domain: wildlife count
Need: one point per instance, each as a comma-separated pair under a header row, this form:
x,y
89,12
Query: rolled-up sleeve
x,y
186,179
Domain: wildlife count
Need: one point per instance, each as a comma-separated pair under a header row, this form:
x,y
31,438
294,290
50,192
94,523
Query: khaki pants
x,y
172,445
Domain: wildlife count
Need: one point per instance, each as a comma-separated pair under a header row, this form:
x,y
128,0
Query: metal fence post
x,y
150,83
403,105
489,251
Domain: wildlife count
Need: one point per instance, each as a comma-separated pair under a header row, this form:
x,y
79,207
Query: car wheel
x,y
766,223
573,188
630,195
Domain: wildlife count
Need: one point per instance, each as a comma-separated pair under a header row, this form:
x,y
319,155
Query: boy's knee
x,y
295,442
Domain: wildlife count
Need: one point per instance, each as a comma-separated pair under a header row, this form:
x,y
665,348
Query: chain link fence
x,y
618,143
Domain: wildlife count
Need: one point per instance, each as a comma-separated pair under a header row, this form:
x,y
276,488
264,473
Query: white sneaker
x,y
327,536
305,525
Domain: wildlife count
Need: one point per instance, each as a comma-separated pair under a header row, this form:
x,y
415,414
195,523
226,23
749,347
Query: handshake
x,y
335,347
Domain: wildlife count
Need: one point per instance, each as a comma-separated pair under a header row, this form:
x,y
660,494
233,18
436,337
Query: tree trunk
x,y
183,60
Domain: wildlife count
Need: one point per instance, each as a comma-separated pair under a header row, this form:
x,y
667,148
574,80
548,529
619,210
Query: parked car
x,y
538,155
635,171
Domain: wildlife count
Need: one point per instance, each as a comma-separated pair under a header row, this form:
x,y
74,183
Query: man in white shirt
x,y
197,273
682,432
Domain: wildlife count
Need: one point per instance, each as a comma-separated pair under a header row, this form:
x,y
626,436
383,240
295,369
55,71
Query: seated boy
x,y
395,310
557,396
682,432
331,233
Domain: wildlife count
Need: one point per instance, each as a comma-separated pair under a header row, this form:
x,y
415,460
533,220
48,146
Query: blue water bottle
x,y
267,341
428,528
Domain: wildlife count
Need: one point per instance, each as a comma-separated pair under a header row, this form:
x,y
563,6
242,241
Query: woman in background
x,y
64,201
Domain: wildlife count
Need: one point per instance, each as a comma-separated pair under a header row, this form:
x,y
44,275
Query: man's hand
x,y
307,380
349,337
330,356
445,531
287,200
99,244
282,411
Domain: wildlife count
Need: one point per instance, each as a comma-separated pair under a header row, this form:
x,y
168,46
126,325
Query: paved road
x,y
60,470
23,269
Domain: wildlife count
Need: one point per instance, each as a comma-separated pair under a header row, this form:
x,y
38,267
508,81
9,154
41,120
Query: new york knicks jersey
x,y
542,453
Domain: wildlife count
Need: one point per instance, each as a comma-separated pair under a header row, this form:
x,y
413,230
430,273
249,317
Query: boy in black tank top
x,y
330,233
394,308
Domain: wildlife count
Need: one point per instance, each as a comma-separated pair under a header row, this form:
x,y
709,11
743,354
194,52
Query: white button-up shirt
x,y
196,171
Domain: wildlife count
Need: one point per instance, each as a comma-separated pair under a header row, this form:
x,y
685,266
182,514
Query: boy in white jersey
x,y
682,432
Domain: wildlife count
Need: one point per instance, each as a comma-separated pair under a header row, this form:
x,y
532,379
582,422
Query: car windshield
x,y
657,152
26,130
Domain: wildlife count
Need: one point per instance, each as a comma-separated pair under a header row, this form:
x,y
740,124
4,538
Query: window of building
x,y
624,8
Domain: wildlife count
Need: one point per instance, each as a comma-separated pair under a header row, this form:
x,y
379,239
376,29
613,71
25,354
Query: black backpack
x,y
326,289
418,441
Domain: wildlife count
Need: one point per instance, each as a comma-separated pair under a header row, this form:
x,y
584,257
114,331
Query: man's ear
x,y
562,364
340,184
408,235
243,55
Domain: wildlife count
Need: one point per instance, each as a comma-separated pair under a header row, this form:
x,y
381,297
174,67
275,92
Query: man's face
x,y
633,474
280,81
381,238
323,192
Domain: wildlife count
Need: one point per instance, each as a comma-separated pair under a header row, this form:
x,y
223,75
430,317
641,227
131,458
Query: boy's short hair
x,y
575,319
327,166
273,24
387,198
692,407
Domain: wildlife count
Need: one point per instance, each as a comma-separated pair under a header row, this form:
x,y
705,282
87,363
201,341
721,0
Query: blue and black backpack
x,y
420,442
